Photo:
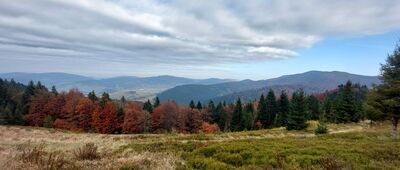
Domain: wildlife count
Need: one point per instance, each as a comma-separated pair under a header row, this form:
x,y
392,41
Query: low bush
x,y
321,129
87,152
37,156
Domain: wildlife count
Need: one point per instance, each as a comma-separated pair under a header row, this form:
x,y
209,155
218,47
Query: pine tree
x,y
346,109
248,120
123,100
261,111
212,115
386,96
92,96
271,109
54,90
220,116
105,97
199,106
314,108
156,102
283,109
192,105
297,112
148,106
237,117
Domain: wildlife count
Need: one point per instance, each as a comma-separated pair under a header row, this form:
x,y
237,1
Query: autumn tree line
x,y
36,105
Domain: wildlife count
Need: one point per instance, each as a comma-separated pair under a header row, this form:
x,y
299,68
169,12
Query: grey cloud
x,y
183,32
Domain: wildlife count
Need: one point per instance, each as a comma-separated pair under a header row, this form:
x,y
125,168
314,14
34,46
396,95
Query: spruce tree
x,y
283,109
314,108
220,116
271,109
123,100
297,112
237,117
148,106
192,105
156,102
212,112
386,98
346,109
199,106
92,96
105,97
261,111
248,120
54,90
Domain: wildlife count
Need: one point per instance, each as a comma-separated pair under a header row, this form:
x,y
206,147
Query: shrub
x,y
87,152
207,163
232,159
130,167
209,128
38,156
330,163
48,122
321,129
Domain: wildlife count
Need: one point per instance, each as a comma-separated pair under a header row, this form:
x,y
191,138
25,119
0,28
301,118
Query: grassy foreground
x,y
349,146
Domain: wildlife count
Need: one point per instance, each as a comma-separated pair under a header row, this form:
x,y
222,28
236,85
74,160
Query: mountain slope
x,y
48,79
133,88
313,81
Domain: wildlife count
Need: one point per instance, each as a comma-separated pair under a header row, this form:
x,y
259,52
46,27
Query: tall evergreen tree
x,y
283,109
247,119
220,116
272,109
199,106
314,108
92,96
386,97
192,105
156,102
211,112
26,96
346,109
297,112
148,106
237,117
54,90
123,100
261,111
105,97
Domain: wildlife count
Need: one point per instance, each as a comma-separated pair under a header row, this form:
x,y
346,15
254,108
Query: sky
x,y
234,39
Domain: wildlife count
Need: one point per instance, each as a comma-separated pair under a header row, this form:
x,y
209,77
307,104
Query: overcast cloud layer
x,y
153,37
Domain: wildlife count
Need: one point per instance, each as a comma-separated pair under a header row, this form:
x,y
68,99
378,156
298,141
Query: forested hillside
x,y
310,82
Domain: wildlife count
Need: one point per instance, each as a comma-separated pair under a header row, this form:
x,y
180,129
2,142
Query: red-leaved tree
x,y
164,117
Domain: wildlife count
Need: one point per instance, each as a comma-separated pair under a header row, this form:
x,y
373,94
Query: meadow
x,y
347,146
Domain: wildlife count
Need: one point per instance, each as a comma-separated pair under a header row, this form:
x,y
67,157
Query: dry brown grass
x,y
30,147
70,147
87,152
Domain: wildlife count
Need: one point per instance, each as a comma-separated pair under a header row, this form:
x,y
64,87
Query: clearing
x,y
348,146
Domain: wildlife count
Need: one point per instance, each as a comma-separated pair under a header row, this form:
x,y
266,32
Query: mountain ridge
x,y
311,81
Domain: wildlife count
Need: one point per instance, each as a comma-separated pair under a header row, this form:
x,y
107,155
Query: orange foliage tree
x,y
84,110
136,120
37,108
68,118
209,128
110,118
164,117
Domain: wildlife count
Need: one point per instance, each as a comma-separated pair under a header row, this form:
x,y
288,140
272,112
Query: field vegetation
x,y
346,146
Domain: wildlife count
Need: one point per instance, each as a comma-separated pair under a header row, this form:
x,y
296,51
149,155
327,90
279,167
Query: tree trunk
x,y
395,122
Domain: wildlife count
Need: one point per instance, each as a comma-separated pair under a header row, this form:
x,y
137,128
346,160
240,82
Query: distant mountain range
x,y
310,82
133,88
185,89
